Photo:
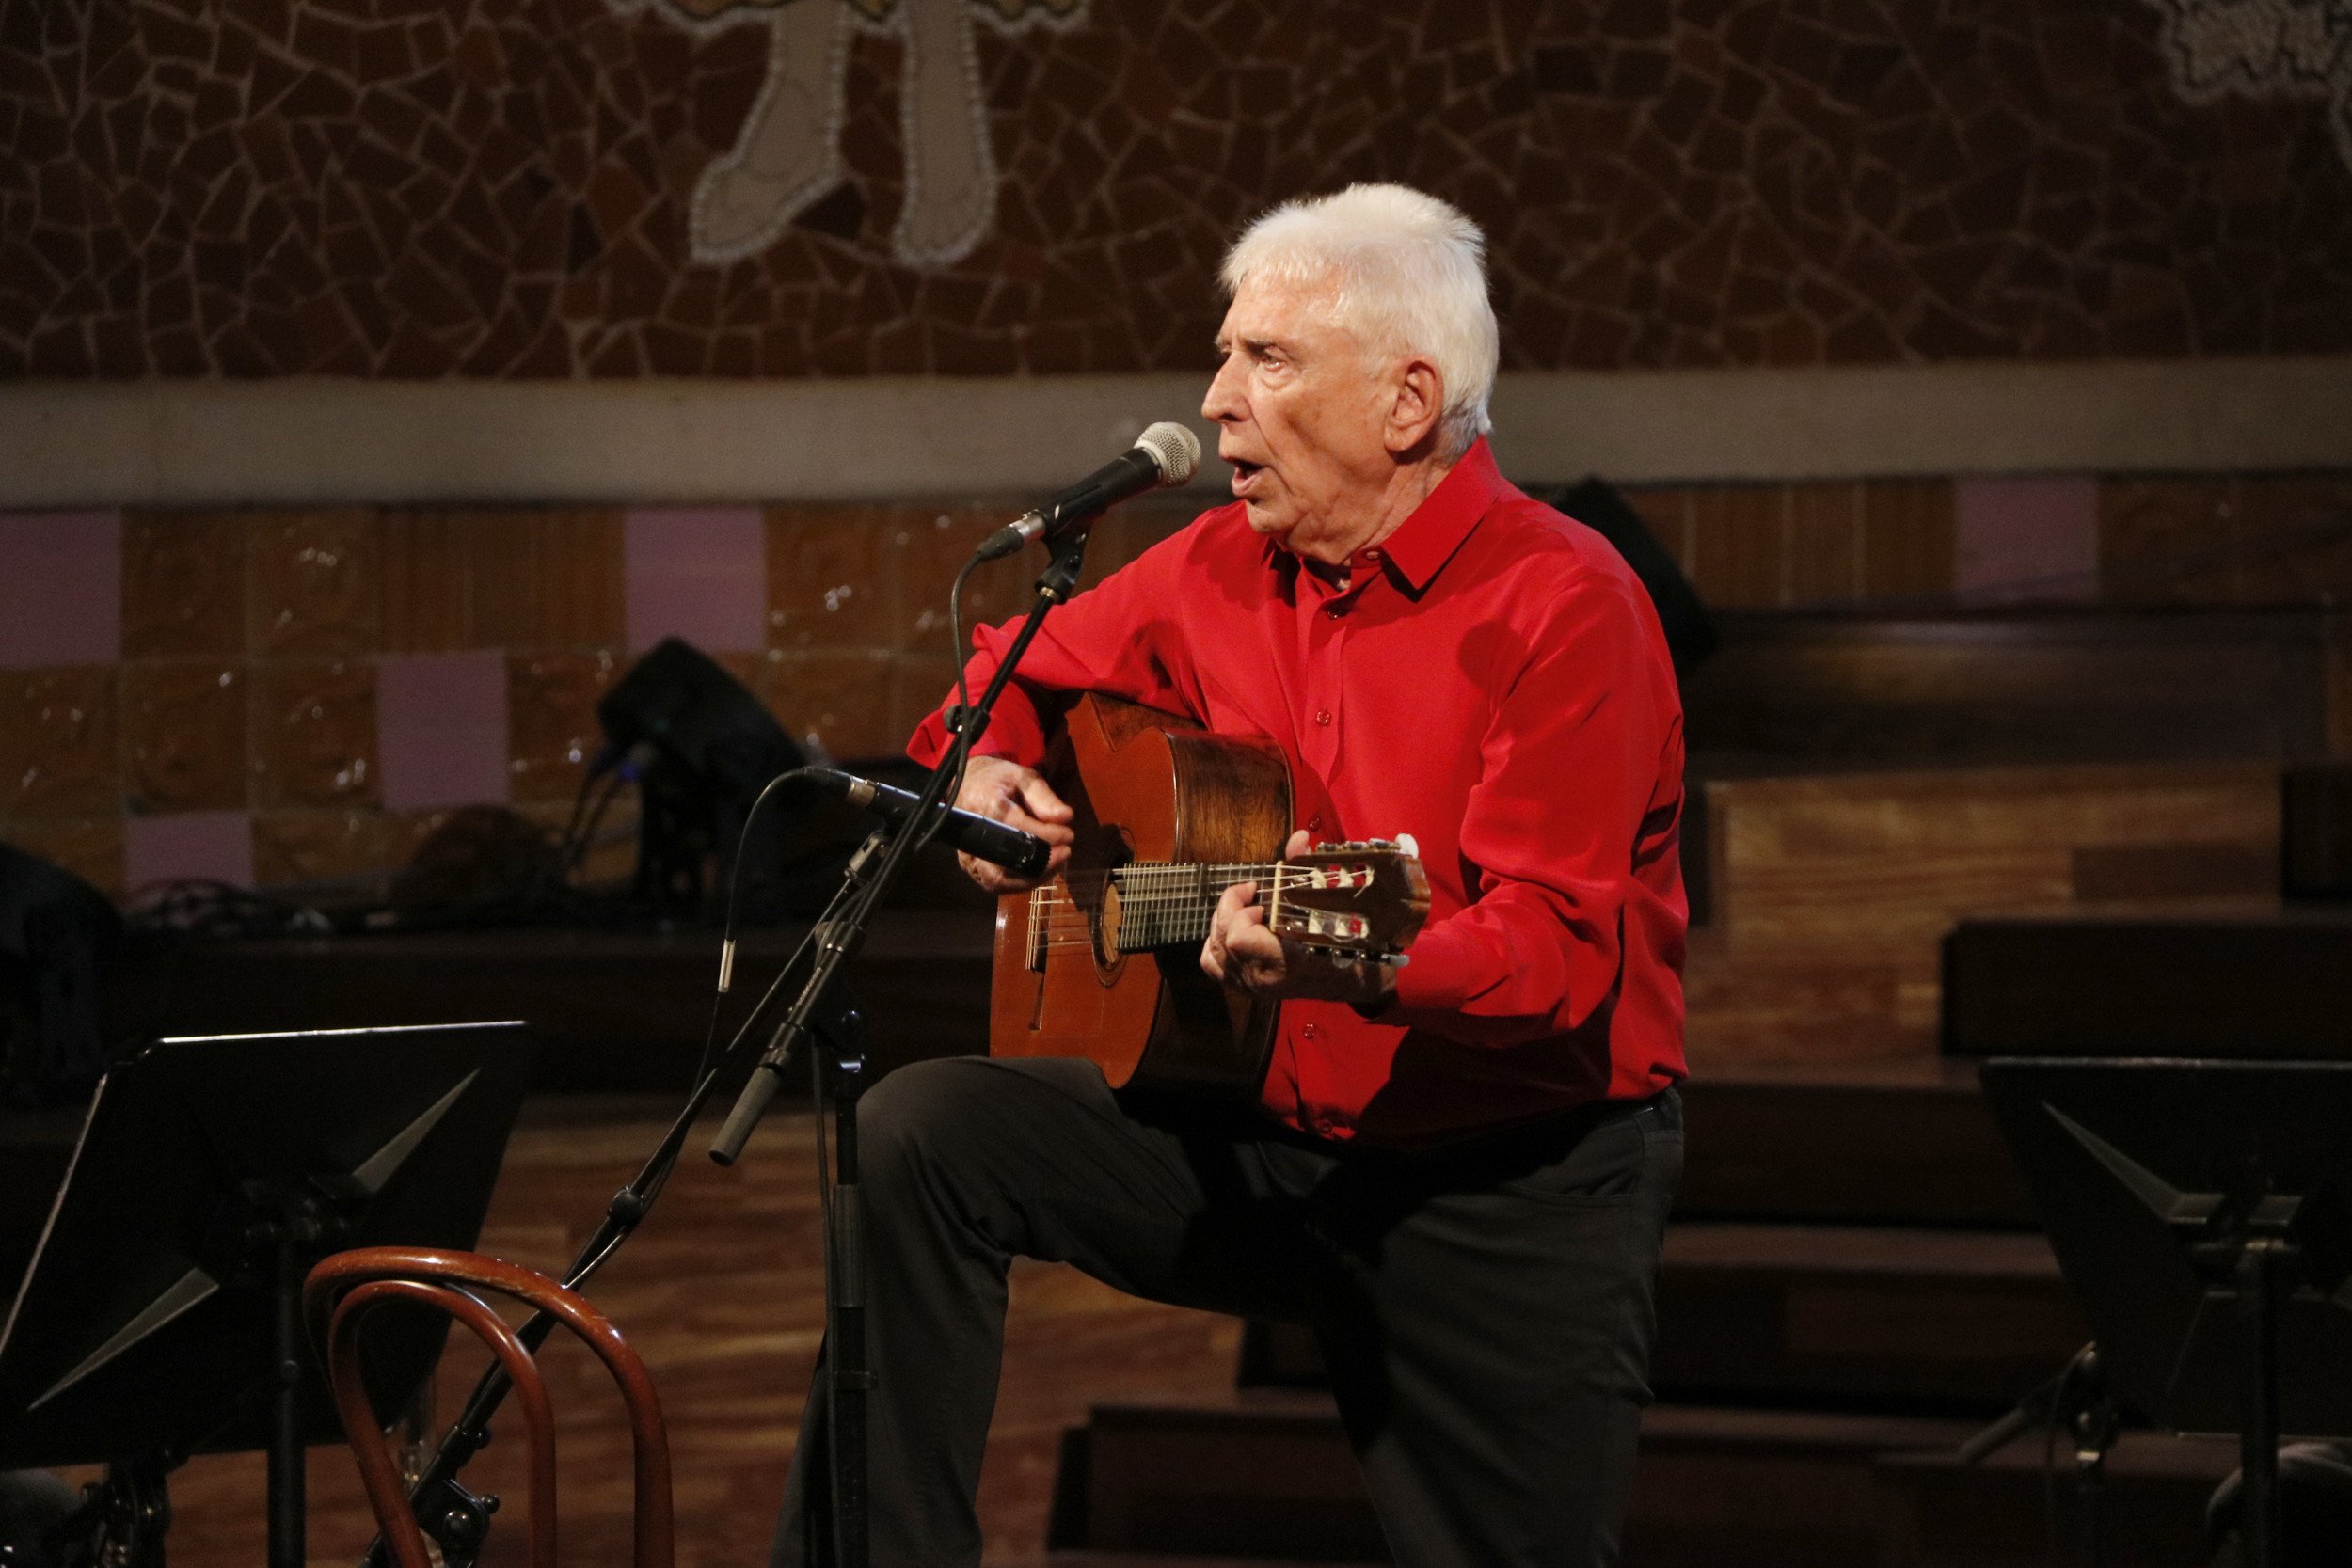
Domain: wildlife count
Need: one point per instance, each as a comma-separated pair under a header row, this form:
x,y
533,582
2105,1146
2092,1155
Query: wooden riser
x,y
1957,1322
1879,861
1950,1320
1268,1477
1821,693
1828,893
1271,1476
1904,1142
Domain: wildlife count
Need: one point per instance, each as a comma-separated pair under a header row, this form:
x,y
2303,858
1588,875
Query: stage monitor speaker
x,y
57,932
703,747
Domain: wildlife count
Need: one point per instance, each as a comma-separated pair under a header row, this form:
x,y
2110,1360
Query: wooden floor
x,y
721,1294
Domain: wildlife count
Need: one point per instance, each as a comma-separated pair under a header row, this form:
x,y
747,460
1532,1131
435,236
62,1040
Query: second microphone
x,y
1023,854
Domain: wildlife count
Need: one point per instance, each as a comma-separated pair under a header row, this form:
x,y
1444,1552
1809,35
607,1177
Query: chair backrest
x,y
339,1293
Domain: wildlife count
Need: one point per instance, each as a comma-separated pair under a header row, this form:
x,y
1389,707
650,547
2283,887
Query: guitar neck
x,y
1367,898
1161,905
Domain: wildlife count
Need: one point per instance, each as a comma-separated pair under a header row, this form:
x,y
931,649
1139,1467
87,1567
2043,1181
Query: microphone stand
x,y
458,1521
816,1016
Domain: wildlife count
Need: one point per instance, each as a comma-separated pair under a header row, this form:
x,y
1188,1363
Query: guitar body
x,y
1145,786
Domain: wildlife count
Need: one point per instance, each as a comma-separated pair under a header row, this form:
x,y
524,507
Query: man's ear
x,y
1418,405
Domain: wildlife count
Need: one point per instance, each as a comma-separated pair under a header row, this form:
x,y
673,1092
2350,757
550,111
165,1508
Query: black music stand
x,y
162,1313
2202,1213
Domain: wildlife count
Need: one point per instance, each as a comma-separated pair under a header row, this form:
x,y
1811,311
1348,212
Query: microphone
x,y
1166,453
1023,854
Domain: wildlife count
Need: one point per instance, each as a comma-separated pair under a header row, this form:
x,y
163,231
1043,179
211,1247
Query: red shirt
x,y
1493,682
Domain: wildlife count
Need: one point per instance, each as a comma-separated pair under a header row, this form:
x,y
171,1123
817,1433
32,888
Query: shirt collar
x,y
1426,540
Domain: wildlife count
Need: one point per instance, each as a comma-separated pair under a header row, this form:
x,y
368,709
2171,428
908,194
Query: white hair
x,y
1411,277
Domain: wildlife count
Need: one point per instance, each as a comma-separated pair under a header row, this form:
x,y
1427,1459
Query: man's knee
x,y
916,1113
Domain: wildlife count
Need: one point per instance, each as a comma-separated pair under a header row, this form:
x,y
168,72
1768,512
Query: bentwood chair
x,y
338,1295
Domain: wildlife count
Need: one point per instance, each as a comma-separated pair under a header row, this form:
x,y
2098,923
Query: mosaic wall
x,y
748,187
272,697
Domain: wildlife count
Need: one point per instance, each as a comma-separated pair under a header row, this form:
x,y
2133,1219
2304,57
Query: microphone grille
x,y
1176,449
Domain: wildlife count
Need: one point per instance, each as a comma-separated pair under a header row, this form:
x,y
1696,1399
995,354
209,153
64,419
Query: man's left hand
x,y
1243,954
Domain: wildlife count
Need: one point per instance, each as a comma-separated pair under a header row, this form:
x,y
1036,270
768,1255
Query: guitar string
x,y
1156,916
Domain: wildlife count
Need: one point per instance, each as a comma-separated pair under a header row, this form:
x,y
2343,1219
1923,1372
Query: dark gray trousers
x,y
1486,1312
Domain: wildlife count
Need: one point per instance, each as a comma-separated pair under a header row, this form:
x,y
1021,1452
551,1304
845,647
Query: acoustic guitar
x,y
1104,963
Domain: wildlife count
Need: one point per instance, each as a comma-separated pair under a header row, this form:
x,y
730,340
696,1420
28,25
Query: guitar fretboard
x,y
1162,904
1159,905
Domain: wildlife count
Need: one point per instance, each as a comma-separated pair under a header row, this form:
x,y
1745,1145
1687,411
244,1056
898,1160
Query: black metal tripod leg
x,y
288,1475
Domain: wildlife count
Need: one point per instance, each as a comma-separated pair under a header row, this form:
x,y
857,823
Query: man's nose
x,y
1224,402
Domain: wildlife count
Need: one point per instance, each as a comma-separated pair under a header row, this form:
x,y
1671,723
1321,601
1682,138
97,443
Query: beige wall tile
x,y
58,746
184,735
183,584
426,581
2167,541
1907,539
2296,533
551,720
311,584
928,546
843,700
546,578
1824,543
829,577
1740,546
313,735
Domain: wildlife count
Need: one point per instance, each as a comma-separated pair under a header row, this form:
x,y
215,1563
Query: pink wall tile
x,y
216,846
699,574
60,588
440,729
2025,539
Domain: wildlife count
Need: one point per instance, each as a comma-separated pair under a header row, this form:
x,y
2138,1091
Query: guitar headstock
x,y
1363,900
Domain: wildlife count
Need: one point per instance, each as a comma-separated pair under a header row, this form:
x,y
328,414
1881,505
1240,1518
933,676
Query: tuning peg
x,y
1379,844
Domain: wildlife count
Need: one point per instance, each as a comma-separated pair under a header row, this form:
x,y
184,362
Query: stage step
x,y
1905,1142
1269,1475
1953,1320
1950,1321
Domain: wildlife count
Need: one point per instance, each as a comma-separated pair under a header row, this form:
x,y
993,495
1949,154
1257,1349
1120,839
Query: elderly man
x,y
1459,1168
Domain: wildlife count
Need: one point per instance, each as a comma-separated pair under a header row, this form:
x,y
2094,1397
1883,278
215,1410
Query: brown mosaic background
x,y
436,187
249,639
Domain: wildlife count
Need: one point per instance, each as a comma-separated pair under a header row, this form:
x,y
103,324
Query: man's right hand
x,y
1019,797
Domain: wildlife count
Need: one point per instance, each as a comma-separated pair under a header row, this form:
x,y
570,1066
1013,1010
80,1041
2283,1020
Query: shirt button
x,y
1333,612
1323,715
1314,823
1308,1030
1372,554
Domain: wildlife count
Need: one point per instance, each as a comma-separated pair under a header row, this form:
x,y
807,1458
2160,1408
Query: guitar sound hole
x,y
1112,853
1105,928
